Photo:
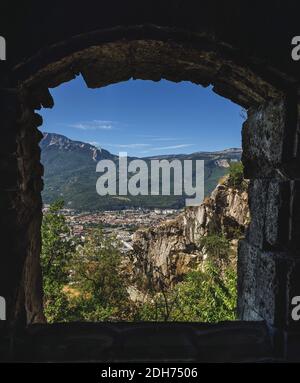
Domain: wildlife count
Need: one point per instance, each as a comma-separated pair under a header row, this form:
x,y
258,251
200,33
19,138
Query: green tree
x,y
82,281
57,248
98,277
207,295
236,175
217,247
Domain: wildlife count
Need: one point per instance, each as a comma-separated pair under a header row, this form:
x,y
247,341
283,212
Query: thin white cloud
x,y
94,125
146,136
165,139
172,147
159,138
131,146
147,147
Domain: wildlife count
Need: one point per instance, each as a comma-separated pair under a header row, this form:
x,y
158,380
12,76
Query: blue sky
x,y
144,118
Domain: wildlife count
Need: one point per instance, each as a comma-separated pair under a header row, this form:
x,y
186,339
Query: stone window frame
x,y
267,264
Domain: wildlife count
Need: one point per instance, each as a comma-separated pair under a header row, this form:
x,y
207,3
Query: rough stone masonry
x,y
243,50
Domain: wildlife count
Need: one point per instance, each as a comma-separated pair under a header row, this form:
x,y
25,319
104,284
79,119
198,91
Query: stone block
x,y
276,231
269,202
257,202
262,140
247,262
260,287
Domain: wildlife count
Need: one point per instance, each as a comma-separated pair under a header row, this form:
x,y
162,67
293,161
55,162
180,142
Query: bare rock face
x,y
172,248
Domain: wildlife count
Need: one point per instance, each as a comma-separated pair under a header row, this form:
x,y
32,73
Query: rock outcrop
x,y
172,248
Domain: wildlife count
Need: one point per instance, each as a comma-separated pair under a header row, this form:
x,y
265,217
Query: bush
x,y
98,278
210,294
207,295
236,175
82,282
203,296
57,249
217,246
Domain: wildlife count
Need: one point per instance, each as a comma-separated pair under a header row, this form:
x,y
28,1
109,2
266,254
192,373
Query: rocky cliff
x,y
172,248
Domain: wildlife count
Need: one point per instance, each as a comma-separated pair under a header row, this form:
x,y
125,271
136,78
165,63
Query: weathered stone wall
x,y
269,256
20,171
30,184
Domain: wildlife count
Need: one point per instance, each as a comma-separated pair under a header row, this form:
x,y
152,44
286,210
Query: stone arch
x,y
148,52
151,52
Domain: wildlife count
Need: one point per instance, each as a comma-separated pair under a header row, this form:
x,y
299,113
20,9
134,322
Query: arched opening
x,y
163,252
108,63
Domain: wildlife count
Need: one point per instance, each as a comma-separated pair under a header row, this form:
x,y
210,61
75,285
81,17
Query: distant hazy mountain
x,y
70,173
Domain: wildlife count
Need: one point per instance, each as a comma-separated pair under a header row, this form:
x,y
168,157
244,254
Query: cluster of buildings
x,y
120,223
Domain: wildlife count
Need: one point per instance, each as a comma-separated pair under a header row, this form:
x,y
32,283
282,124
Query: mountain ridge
x,y
70,173
54,138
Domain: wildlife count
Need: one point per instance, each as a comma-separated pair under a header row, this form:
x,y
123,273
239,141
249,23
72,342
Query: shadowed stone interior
x,y
206,50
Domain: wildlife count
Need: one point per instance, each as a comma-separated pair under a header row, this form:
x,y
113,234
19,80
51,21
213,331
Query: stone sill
x,y
140,342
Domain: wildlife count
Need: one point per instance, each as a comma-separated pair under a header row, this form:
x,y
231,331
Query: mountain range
x,y
70,174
